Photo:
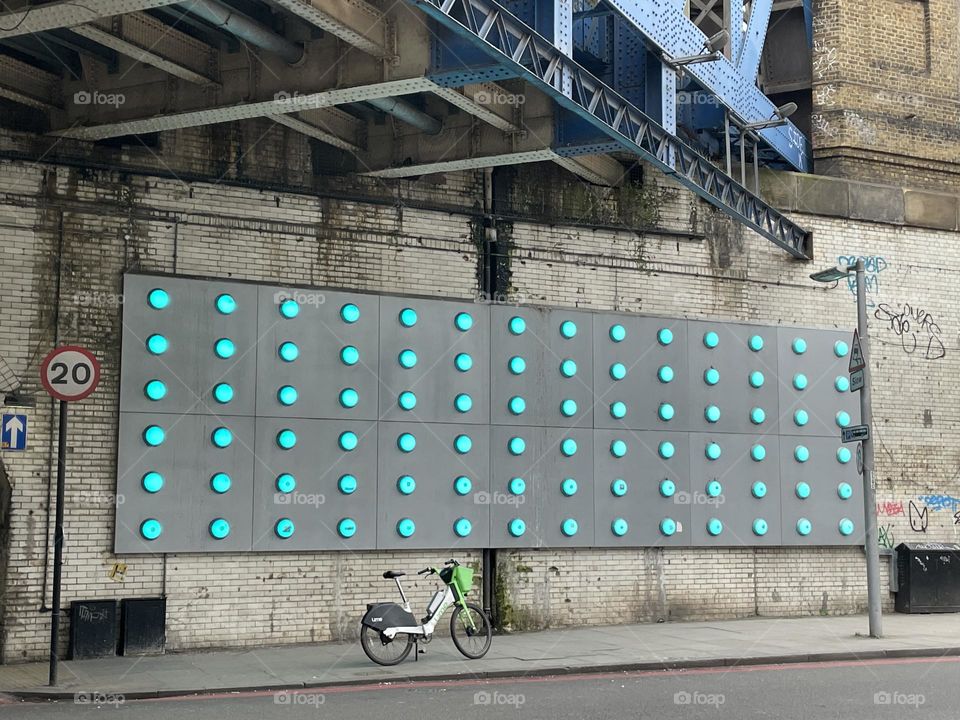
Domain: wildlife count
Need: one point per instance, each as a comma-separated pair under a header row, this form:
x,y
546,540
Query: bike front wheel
x,y
473,639
383,651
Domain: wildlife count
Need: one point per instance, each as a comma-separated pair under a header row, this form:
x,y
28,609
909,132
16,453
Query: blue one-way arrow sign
x,y
13,432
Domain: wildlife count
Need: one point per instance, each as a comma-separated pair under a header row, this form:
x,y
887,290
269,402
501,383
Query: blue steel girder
x,y
664,24
540,63
748,61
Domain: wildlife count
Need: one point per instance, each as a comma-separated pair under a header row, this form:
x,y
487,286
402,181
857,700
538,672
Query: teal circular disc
x,y
462,527
226,304
463,321
760,527
843,419
287,395
220,483
286,483
463,362
568,329
844,491
517,365
569,487
618,410
408,317
517,485
757,415
347,484
150,529
667,488
158,345
711,339
284,528
759,489
224,348
407,400
568,447
756,379
801,417
517,325
618,448
711,376
619,487
463,444
155,390
158,298
758,453
517,446
154,435
568,368
569,527
347,527
842,383
406,442
802,490
349,355
289,351
668,526
800,381
618,333
517,527
349,398
289,309
219,528
665,336
666,450
517,405
665,374
711,413
349,313
844,455
152,482
462,485
406,527
755,343
712,451
286,439
619,527
801,453
347,441
407,358
714,488
846,526
804,526
799,346
618,371
406,484
568,408
463,402
840,349
666,412
714,527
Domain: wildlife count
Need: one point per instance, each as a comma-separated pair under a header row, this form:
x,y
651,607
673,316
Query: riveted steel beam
x,y
68,14
354,21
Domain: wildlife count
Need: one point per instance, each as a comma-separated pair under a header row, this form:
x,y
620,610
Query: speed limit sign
x,y
70,373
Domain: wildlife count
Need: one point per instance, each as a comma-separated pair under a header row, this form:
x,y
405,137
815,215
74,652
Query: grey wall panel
x,y
434,506
655,488
642,352
557,509
507,505
316,505
186,504
318,373
438,345
191,325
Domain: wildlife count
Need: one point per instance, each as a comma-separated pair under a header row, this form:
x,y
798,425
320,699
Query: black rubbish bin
x,y
928,577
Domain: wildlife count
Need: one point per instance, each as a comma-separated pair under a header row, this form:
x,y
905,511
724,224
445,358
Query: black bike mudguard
x,y
388,615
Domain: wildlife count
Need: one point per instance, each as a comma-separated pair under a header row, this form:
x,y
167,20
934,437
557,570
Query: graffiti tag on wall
x,y
873,265
915,327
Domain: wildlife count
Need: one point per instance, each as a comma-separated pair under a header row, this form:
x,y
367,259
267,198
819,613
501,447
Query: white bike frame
x,y
432,620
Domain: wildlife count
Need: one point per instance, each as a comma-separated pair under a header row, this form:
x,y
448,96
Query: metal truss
x,y
531,56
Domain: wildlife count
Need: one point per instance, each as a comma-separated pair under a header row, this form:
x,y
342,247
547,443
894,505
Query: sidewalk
x,y
593,649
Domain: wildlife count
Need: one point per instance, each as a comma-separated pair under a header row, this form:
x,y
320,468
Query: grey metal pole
x,y
58,544
726,141
872,543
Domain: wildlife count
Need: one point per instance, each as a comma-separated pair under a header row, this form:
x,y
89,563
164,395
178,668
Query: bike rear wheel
x,y
474,643
383,651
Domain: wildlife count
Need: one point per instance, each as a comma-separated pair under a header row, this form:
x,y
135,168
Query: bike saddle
x,y
390,574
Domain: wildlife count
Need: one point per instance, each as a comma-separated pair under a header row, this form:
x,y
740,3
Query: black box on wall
x,y
93,629
143,626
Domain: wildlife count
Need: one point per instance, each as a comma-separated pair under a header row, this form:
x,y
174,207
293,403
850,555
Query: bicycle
x,y
384,624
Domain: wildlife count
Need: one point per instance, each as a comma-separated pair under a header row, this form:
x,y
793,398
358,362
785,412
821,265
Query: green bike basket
x,y
463,578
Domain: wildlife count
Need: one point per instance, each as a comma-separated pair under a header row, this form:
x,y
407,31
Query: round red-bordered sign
x,y
70,373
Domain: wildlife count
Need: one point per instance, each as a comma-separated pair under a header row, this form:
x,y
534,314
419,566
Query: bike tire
x,y
465,638
371,641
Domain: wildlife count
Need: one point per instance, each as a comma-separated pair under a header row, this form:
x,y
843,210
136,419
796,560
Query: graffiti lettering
x,y
886,538
915,327
873,265
890,508
940,502
918,518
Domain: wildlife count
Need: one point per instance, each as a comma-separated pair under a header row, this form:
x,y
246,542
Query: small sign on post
x,y
856,380
856,433
856,354
13,432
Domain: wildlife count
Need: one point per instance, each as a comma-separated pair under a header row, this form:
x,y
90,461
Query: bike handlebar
x,y
425,571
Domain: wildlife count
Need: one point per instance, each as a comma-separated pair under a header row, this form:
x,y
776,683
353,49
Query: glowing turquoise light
x,y
463,362
224,348
804,526
667,488
406,442
347,528
289,351
349,355
714,488
760,527
157,344
289,309
568,329
759,489
517,486
714,527
618,371
462,527
799,346
568,487
406,484
349,397
154,435
287,439
462,485
517,405
226,304
844,455
840,348
150,529
758,453
842,383
347,484
463,444
801,417
406,528
801,453
463,402
757,415
843,419
618,333
463,321
668,526
619,527
712,451
407,400
568,408
223,393
756,379
711,376
517,527
158,299
219,528
800,381
568,368
666,450
349,313
711,413
618,448
152,482
665,336
222,437
287,395
408,317
755,343
802,490
517,325
284,528
286,483
711,339
619,487
845,491
846,526
517,365
618,410
666,412
665,374
517,446
155,390
568,447
407,358
569,527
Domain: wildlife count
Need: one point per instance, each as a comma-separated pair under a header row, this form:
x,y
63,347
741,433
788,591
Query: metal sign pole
x,y
872,543
58,542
